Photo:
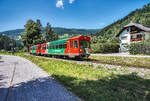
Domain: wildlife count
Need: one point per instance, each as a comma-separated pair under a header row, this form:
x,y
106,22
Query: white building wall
x,y
126,34
147,35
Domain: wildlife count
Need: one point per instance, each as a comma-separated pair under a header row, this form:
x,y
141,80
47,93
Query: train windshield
x,y
84,44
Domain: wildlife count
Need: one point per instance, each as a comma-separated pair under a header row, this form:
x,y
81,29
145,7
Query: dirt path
x,y
21,80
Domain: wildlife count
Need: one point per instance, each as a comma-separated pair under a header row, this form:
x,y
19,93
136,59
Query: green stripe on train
x,y
33,49
58,50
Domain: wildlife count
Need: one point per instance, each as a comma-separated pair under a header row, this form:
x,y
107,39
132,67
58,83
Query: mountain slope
x,y
60,31
141,16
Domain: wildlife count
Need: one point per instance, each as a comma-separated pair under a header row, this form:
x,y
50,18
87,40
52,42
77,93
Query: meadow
x,y
95,84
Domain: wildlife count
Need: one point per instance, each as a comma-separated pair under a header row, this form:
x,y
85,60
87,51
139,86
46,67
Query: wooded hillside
x,y
141,16
60,31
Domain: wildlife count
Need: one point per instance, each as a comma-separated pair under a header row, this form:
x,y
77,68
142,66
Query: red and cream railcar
x,y
38,49
78,46
43,48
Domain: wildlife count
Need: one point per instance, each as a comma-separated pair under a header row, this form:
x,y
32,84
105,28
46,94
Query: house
x,y
132,32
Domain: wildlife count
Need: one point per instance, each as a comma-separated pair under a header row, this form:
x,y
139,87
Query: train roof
x,y
82,37
58,41
34,46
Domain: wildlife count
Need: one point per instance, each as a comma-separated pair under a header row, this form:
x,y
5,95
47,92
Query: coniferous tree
x,y
50,35
32,34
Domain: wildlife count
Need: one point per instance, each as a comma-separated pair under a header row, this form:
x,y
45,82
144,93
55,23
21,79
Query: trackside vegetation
x,y
105,48
95,84
140,48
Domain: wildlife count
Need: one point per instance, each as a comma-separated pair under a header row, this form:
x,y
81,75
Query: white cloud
x,y
71,1
102,24
60,4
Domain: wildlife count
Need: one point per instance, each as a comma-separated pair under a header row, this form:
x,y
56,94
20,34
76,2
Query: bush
x,y
105,48
139,48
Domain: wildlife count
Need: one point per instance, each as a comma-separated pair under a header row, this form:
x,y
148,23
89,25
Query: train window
x,y
65,45
44,47
71,43
84,44
53,46
60,46
56,46
49,46
75,44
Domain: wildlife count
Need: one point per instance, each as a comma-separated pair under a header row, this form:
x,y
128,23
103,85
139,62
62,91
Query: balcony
x,y
133,32
136,39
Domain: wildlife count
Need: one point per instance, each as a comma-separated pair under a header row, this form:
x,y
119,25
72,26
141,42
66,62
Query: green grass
x,y
5,53
125,61
98,84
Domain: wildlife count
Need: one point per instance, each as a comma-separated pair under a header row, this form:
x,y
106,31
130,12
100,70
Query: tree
x,y
50,35
38,22
5,43
32,34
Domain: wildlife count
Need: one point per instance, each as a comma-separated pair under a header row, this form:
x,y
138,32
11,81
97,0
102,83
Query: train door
x,y
74,46
71,47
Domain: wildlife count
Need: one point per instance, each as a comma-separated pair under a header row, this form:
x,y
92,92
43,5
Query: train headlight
x,y
80,50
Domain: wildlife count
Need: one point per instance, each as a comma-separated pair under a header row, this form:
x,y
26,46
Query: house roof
x,y
142,27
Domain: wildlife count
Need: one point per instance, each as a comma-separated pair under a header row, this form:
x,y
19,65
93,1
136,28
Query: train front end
x,y
85,46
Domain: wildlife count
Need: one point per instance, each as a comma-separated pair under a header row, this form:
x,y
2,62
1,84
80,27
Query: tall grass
x,y
99,84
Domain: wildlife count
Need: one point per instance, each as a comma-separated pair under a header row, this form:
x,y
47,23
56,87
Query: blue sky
x,y
89,14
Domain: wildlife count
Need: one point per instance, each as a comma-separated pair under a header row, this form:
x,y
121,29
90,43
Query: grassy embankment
x,y
117,60
123,61
98,84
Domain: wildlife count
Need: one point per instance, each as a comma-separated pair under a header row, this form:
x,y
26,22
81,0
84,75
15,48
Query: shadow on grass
x,y
119,88
40,89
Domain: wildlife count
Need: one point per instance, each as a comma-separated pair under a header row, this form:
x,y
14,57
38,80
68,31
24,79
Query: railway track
x,y
139,71
95,62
